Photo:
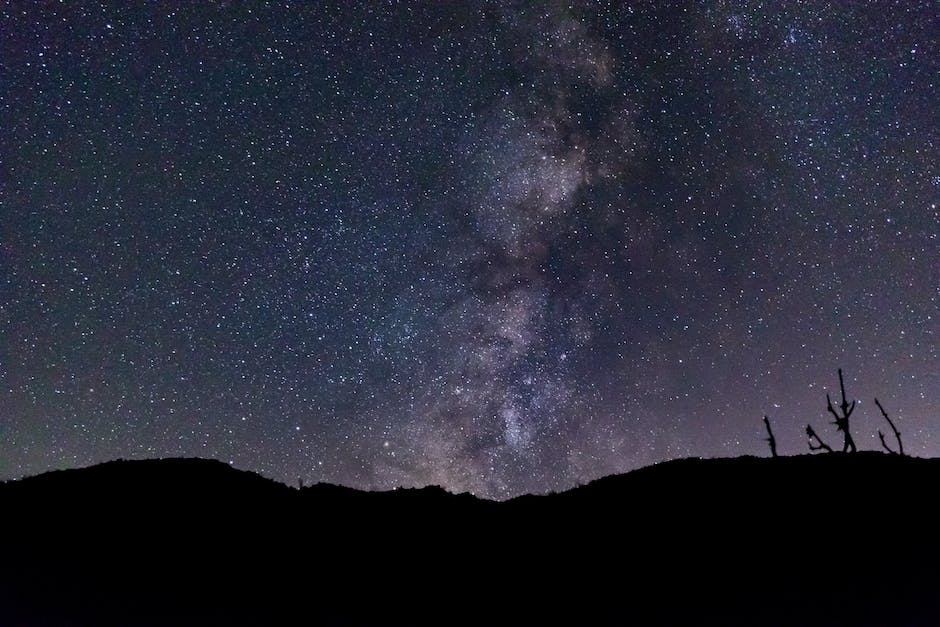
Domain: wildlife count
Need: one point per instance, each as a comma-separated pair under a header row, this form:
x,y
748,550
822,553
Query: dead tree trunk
x,y
770,439
842,421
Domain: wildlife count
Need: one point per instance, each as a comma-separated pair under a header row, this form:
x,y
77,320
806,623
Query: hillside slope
x,y
830,539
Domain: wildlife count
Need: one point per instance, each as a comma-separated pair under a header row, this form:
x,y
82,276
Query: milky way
x,y
501,247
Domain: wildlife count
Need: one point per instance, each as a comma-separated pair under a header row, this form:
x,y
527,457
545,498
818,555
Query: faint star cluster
x,y
499,246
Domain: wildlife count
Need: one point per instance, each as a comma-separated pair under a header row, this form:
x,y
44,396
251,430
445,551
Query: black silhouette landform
x,y
837,539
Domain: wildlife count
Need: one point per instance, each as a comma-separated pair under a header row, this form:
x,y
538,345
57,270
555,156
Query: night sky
x,y
498,246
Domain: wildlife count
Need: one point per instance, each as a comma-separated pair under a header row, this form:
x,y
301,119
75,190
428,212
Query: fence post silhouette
x,y
770,439
897,434
842,422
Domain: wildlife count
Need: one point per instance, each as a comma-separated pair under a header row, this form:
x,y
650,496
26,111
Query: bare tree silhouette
x,y
842,422
897,434
821,446
770,439
841,412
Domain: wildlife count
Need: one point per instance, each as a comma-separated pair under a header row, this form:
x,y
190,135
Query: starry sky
x,y
502,247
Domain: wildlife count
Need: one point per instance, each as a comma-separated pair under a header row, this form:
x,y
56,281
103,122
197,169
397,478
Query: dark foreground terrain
x,y
827,540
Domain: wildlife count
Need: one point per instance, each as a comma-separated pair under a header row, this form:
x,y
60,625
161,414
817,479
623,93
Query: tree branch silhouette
x,y
770,439
821,446
897,434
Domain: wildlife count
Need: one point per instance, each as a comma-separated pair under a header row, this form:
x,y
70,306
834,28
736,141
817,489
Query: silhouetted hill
x,y
827,540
